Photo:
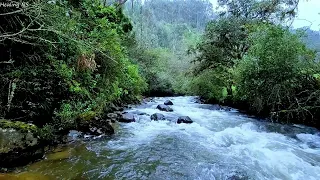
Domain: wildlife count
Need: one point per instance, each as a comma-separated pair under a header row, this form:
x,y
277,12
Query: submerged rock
x,y
184,119
198,100
157,117
127,118
163,107
168,102
139,113
237,176
57,156
216,107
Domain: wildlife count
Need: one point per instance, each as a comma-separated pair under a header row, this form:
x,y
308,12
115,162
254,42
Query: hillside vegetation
x,y
63,64
250,59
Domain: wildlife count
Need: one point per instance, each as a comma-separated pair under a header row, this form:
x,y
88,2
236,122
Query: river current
x,y
219,145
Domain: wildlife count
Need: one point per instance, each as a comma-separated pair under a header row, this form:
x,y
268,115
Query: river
x,y
218,145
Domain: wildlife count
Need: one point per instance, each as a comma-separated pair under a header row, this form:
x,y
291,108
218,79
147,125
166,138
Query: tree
x,y
225,40
223,44
277,76
163,29
275,11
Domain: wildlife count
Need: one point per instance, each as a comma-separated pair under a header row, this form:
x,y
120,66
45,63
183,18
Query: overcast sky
x,y
308,14
308,11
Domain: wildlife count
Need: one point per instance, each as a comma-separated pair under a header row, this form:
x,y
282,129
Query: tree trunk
x,y
229,90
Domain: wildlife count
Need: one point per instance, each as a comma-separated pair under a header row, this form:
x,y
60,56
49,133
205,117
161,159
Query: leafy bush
x,y
209,86
64,63
277,76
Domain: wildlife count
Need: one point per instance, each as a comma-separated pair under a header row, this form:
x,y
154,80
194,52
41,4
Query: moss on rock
x,y
19,143
18,125
87,116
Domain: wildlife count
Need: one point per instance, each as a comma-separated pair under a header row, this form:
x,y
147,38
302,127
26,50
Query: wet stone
x,y
168,102
163,107
157,116
184,119
127,118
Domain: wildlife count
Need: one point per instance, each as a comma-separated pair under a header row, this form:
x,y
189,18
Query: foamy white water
x,y
219,145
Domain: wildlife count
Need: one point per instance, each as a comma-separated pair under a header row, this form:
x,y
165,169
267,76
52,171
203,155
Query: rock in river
x,y
168,102
127,118
139,113
162,107
184,119
157,116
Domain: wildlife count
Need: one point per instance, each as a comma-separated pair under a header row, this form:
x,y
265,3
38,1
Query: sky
x,y
308,14
308,11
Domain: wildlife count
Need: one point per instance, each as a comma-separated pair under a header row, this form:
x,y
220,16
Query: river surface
x,y
219,145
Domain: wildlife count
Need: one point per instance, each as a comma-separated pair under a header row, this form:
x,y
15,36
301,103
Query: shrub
x,y
276,76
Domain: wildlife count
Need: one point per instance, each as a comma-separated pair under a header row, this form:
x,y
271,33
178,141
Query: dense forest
x,y
66,64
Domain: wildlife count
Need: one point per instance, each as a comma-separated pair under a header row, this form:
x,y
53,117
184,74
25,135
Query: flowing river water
x,y
219,145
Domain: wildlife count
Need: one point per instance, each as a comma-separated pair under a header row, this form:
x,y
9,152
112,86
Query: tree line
x,y
255,62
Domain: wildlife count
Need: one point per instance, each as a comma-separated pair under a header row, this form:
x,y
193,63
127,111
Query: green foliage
x,y
47,133
223,44
18,125
87,116
246,58
277,75
208,86
163,33
260,10
154,67
134,83
69,62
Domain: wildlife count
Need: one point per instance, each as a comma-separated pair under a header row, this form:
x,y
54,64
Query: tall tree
x,y
225,40
264,10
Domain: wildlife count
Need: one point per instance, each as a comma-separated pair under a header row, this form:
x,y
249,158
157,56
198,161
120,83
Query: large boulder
x,y
168,102
184,119
88,123
19,144
157,117
215,107
163,107
127,118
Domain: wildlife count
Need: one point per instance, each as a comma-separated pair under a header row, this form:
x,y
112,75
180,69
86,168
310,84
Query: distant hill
x,y
311,38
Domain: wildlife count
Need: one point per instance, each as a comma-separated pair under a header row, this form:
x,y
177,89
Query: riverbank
x,y
23,143
266,115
